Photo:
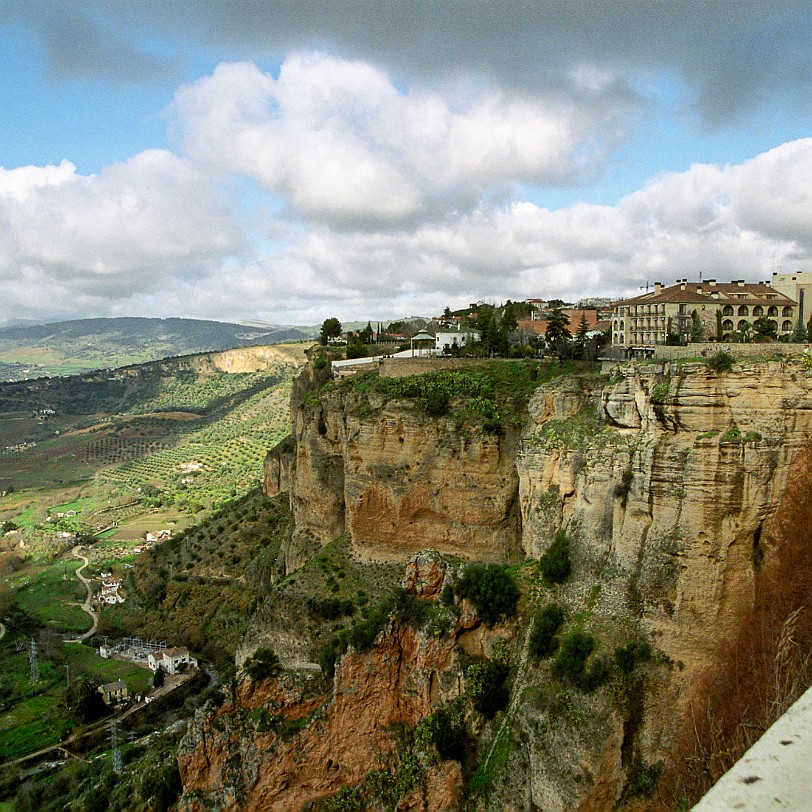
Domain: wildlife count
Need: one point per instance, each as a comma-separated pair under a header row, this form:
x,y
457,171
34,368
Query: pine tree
x,y
799,334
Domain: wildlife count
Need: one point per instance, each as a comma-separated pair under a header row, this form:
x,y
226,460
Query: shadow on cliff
x,y
761,671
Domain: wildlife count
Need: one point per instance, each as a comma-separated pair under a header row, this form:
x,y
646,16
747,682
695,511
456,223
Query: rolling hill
x,y
72,347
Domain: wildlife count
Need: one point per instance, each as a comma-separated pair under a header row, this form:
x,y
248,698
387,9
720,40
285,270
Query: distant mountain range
x,y
70,347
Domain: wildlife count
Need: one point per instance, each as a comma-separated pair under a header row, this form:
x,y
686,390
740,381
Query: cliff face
x,y
679,490
669,481
398,481
283,744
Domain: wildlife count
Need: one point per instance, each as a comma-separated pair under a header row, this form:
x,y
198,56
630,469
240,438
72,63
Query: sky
x,y
365,159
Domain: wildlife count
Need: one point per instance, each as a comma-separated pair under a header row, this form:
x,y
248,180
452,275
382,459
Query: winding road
x,y
86,606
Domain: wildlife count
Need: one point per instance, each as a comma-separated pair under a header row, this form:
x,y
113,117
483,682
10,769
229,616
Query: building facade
x,y
797,286
727,310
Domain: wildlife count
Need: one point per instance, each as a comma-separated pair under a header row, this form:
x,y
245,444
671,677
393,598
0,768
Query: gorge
x,y
683,494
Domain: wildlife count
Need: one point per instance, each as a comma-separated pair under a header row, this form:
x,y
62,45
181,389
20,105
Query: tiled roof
x,y
726,292
539,326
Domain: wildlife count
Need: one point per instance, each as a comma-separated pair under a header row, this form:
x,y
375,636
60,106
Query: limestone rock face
x,y
231,762
705,460
398,481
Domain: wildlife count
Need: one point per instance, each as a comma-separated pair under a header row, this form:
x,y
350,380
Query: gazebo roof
x,y
423,336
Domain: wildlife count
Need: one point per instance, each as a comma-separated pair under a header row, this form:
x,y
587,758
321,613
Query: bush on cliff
x,y
491,589
721,362
543,638
262,664
485,685
555,563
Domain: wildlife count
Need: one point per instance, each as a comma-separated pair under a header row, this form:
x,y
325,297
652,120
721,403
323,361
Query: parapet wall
x,y
774,349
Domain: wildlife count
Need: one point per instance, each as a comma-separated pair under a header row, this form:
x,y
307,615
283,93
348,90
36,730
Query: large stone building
x,y
798,286
648,319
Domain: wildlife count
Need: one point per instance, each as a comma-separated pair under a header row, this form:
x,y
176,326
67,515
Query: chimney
x,y
658,286
682,283
699,288
740,282
711,283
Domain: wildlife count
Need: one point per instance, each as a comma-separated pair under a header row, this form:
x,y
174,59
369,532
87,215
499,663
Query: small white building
x,y
459,338
171,660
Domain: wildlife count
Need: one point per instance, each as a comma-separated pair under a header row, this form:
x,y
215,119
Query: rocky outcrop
x,y
397,480
282,744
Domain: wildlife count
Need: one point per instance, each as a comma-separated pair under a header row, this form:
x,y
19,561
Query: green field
x,y
161,447
33,716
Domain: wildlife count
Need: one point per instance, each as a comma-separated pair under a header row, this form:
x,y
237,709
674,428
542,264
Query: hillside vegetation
x,y
71,347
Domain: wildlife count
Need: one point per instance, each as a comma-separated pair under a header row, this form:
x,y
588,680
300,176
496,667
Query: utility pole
x,y
116,751
32,661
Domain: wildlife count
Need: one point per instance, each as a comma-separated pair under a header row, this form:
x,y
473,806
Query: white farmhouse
x,y
171,660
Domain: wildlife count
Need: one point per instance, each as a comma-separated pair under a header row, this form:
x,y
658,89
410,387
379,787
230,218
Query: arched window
x,y
727,310
742,326
772,310
727,324
744,310
787,311
622,327
726,337
786,326
758,310
773,324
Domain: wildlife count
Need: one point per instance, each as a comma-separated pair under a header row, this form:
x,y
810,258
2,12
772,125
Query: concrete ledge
x,y
775,773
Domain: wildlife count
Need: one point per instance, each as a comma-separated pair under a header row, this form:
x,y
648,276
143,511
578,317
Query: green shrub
x,y
543,640
643,781
721,362
485,684
626,657
446,733
573,653
262,664
555,563
492,590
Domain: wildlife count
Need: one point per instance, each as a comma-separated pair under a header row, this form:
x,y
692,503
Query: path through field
x,y
86,606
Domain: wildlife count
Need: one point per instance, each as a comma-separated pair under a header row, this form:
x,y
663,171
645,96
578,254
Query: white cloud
x,y
68,238
343,143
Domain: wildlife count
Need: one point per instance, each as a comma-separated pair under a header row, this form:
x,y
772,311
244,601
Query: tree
x,y
719,332
799,334
491,589
330,328
365,336
765,329
557,326
262,664
582,338
555,563
158,678
697,328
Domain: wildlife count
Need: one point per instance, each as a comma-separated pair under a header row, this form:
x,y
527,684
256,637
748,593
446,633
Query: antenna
x,y
646,286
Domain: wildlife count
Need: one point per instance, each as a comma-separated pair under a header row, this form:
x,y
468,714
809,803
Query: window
x,y
758,310
743,310
727,310
742,326
787,311
727,324
786,326
772,310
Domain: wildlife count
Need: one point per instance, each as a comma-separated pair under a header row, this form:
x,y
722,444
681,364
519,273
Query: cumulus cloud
x,y
66,238
340,141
